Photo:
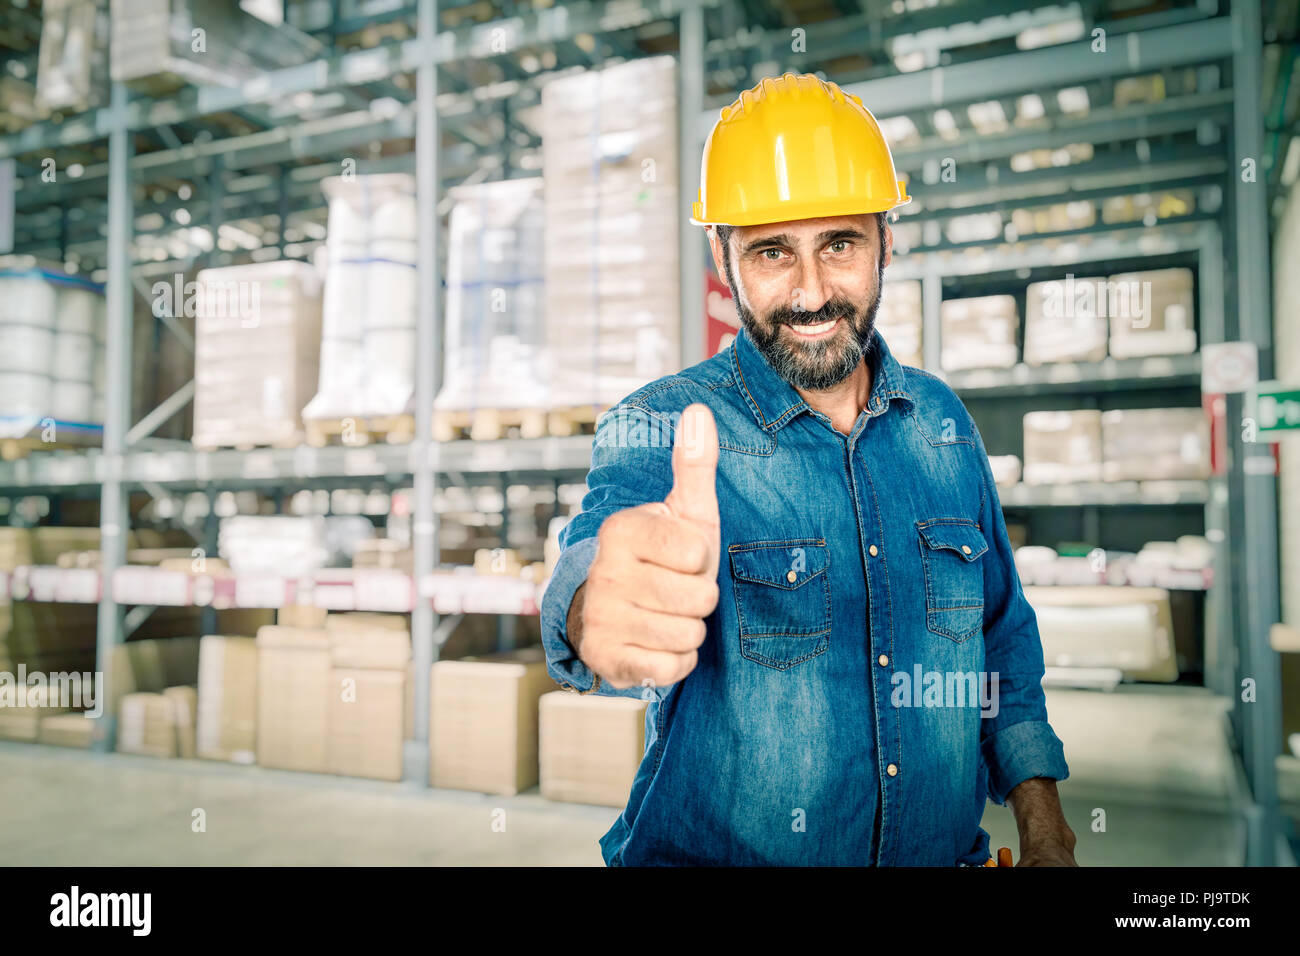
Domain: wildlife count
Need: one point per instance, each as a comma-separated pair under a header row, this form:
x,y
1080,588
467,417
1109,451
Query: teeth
x,y
814,329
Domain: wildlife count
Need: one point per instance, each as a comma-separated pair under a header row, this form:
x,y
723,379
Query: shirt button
x,y
892,770
791,576
965,549
884,660
873,551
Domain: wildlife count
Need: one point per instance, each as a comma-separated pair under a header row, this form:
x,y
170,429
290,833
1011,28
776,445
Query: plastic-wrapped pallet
x,y
52,325
609,162
367,353
495,340
256,348
1155,444
1151,313
978,332
72,71
1062,447
1065,321
899,320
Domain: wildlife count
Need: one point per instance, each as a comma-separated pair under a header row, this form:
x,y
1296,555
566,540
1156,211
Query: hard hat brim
x,y
835,207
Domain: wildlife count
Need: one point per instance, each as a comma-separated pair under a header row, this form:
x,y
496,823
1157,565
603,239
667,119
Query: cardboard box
x,y
1151,313
301,615
293,693
1127,628
366,718
1065,321
899,320
68,730
1155,444
978,332
483,722
226,720
146,725
184,701
590,747
1062,447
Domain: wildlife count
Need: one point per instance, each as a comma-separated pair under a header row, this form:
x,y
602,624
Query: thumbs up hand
x,y
639,618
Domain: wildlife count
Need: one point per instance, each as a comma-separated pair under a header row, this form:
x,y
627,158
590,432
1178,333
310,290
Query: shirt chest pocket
x,y
783,600
951,551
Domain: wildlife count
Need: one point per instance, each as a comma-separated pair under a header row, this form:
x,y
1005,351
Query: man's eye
x,y
772,254
839,245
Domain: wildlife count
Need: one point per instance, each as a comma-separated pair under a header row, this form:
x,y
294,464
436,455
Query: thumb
x,y
695,466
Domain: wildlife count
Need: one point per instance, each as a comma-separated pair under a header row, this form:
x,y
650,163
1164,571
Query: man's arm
x,y
1023,755
1045,838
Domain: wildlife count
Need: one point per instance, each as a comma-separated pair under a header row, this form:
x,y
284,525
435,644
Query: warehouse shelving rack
x,y
1234,295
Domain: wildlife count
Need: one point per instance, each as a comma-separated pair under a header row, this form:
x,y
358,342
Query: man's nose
x,y
812,291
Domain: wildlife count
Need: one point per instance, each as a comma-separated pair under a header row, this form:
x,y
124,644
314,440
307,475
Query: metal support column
x,y
1257,535
113,514
690,103
424,532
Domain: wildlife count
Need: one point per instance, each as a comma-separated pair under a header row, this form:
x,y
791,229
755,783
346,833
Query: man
x,y
795,551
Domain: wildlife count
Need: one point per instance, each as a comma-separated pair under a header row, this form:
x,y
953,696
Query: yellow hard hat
x,y
795,147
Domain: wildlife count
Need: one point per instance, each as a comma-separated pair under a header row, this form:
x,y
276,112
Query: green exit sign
x,y
1277,408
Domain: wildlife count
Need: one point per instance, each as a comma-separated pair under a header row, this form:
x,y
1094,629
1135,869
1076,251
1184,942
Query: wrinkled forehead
x,y
806,232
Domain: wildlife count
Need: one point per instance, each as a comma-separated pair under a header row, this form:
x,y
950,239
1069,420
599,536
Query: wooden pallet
x,y
11,449
243,441
361,430
488,424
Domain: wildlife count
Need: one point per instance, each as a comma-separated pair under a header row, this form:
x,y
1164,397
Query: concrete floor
x,y
1157,764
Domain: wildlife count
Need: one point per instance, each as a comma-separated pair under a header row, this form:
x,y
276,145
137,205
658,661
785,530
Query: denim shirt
x,y
872,672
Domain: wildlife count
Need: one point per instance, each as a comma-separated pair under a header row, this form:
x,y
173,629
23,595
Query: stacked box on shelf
x,y
899,320
367,348
609,144
1151,313
293,693
1155,444
1126,628
51,367
978,332
494,355
483,722
22,721
590,747
146,725
256,352
1062,447
72,70
1065,321
153,47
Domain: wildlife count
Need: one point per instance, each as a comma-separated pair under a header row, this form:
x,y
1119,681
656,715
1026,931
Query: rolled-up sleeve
x,y
1016,740
631,464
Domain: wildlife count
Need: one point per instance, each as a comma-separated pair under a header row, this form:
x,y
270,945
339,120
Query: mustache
x,y
830,309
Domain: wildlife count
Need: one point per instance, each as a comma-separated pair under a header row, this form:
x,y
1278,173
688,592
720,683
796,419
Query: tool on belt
x,y
1004,858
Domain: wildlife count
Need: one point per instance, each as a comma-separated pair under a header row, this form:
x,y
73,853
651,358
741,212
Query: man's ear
x,y
889,243
715,246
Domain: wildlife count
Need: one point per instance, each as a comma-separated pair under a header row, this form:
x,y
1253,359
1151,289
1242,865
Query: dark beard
x,y
813,366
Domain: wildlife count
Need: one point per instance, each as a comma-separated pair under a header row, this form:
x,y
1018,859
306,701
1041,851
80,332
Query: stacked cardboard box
x,y
369,701
184,703
1155,444
146,725
612,195
68,730
590,747
979,332
483,722
256,353
293,692
23,709
72,71
1065,321
226,722
1151,313
1062,447
1126,628
899,320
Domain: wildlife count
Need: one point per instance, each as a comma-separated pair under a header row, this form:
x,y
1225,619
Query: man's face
x,y
807,291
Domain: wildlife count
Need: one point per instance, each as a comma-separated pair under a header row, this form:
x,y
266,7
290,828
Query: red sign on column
x,y
720,319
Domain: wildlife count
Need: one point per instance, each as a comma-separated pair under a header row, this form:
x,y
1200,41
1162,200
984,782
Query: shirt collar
x,y
774,401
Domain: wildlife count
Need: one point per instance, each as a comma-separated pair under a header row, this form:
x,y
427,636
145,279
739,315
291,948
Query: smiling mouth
x,y
815,331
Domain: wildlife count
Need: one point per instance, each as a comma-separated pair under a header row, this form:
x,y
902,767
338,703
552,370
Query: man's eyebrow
x,y
784,239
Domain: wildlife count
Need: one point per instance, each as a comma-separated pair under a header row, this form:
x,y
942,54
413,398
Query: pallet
x,y
361,430
489,424
246,442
